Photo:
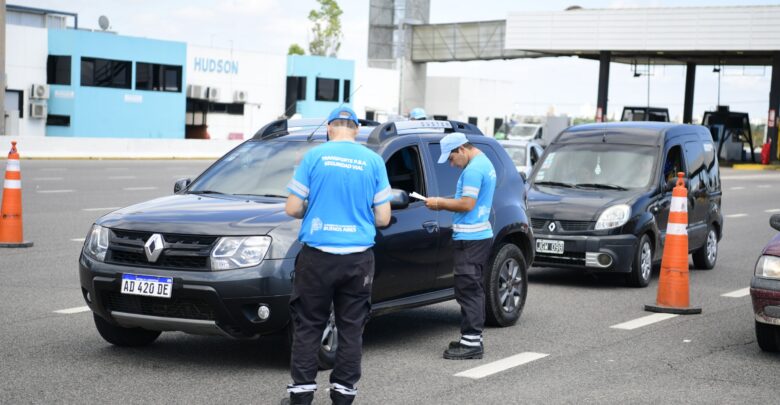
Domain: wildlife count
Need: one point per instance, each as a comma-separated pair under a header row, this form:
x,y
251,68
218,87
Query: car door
x,y
406,251
673,162
697,193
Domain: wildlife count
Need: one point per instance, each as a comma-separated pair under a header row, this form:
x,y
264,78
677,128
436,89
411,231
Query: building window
x,y
227,108
58,120
14,101
58,70
346,91
327,89
156,77
105,73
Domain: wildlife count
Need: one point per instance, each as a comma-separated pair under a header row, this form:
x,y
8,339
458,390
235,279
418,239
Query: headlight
x,y
96,244
237,252
768,266
614,217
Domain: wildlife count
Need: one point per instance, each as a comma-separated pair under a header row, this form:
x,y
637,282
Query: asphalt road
x,y
50,357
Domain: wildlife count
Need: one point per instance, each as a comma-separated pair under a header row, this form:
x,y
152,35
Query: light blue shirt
x,y
477,181
343,181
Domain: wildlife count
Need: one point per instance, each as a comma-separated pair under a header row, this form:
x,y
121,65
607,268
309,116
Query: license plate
x,y
148,286
549,246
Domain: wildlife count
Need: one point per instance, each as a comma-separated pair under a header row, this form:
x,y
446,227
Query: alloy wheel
x,y
510,284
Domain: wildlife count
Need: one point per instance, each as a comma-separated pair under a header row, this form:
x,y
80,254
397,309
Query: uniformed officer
x,y
342,192
417,114
472,238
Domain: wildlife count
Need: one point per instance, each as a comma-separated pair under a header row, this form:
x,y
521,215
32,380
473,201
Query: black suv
x,y
217,256
599,198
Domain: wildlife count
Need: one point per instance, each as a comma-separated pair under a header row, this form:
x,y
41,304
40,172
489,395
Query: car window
x,y
673,163
404,170
694,153
517,153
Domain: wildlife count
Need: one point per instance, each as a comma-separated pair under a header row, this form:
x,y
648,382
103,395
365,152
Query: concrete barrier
x,y
117,148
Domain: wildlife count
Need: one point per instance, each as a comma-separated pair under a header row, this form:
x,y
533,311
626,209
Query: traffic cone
x,y
673,289
11,209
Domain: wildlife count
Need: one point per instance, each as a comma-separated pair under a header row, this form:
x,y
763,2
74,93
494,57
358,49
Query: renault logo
x,y
551,227
153,247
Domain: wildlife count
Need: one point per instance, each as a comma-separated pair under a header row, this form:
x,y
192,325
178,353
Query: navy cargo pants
x,y
321,279
471,257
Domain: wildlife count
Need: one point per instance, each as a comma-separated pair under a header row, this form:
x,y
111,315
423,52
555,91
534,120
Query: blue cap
x,y
449,143
417,114
343,113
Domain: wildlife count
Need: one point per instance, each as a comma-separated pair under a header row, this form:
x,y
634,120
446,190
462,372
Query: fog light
x,y
605,259
263,312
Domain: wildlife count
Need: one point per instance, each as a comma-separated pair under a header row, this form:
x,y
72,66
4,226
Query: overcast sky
x,y
565,85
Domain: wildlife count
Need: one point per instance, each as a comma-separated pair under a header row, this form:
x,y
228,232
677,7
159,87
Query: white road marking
x,y
737,188
47,178
101,209
742,292
643,321
764,186
501,365
139,188
740,215
773,210
53,191
686,340
121,177
78,239
72,310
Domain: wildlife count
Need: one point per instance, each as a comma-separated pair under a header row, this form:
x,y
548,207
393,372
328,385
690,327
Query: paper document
x,y
418,196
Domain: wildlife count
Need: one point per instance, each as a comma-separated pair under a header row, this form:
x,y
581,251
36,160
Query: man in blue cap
x,y
341,191
472,237
417,114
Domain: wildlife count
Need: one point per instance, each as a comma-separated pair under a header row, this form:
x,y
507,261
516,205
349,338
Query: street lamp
x,y
717,69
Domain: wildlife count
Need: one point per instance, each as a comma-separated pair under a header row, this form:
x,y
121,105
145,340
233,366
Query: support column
x,y
690,80
774,103
601,103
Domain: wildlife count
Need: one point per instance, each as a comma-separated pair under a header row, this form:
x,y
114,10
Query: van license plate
x,y
549,246
148,286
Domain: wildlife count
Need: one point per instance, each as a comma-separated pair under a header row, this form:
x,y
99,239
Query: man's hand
x,y
433,203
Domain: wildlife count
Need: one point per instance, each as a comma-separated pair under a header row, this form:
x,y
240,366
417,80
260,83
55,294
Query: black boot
x,y
304,398
338,398
459,351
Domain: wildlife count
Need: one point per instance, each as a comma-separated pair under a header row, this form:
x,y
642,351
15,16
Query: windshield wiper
x,y
603,186
554,183
263,195
205,192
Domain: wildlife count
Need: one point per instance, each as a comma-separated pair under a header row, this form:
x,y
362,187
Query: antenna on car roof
x,y
311,135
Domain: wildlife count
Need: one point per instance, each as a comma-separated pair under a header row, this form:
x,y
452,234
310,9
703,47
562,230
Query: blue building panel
x,y
112,112
313,67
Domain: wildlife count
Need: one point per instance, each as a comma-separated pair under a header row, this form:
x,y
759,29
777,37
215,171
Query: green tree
x,y
326,30
295,49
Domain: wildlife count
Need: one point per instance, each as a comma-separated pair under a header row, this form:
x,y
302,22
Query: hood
x,y
773,247
199,215
573,204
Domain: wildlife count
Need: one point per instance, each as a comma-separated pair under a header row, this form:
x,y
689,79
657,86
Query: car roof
x,y
626,132
516,142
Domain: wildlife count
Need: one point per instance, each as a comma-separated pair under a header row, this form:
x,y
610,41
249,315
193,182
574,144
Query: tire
x,y
329,343
768,337
125,337
642,265
705,257
506,286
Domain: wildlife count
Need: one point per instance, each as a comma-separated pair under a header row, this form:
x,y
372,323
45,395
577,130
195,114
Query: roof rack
x,y
391,129
282,127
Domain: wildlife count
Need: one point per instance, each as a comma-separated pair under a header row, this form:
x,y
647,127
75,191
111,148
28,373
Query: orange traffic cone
x,y
11,209
673,295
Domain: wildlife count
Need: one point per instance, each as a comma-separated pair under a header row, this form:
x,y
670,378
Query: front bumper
x,y
580,251
765,294
204,303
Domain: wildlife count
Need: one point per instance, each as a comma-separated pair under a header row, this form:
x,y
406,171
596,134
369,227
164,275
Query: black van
x,y
599,197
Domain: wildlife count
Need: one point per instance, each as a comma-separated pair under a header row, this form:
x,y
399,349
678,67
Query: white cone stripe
x,y
676,229
679,204
12,184
12,166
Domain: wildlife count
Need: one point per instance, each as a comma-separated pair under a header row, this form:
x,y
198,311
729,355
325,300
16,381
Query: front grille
x,y
185,252
187,308
574,258
564,225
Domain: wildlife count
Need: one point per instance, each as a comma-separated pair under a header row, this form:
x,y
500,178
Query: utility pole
x,y
2,66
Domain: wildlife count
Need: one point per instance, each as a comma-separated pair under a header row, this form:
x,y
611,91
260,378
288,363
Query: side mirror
x,y
399,200
180,185
774,221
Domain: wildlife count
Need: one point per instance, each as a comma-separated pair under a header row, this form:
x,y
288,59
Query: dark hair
x,y
343,123
468,145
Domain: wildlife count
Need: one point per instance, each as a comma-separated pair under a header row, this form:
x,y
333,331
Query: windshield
x,y
598,166
517,153
523,131
254,169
